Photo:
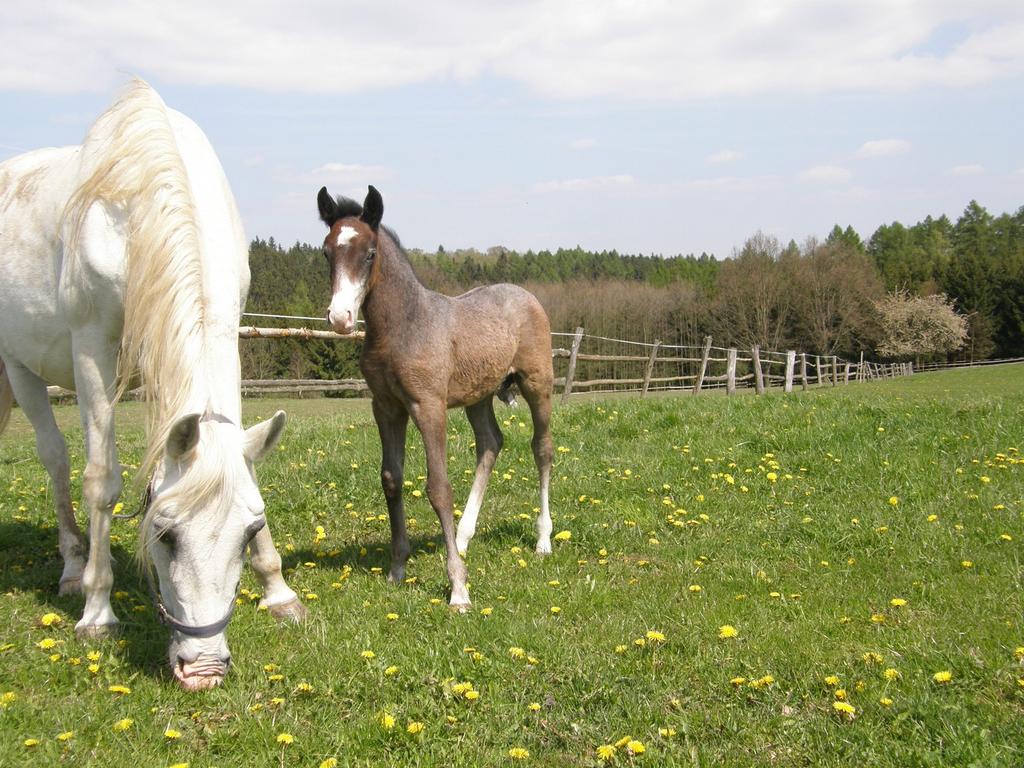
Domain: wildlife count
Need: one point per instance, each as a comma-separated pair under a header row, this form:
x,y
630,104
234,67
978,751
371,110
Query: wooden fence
x,y
595,364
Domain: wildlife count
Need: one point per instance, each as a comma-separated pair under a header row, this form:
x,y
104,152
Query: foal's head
x,y
351,249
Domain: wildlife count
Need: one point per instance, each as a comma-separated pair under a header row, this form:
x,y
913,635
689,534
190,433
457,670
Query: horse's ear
x,y
328,207
373,208
184,436
261,439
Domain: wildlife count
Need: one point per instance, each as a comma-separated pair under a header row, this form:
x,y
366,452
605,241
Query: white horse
x,y
122,259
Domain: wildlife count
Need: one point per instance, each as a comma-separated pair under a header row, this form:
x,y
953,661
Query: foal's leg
x,y
537,391
488,446
95,363
392,423
30,392
278,598
431,421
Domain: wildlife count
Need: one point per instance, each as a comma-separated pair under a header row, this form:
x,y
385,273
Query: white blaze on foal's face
x,y
350,248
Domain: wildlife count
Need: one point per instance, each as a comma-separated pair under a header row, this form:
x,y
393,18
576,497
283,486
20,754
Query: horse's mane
x,y
132,160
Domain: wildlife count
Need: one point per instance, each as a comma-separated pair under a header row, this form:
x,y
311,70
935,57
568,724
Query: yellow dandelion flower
x,y
172,734
460,688
563,536
832,681
94,668
1018,652
386,720
897,602
123,724
66,736
891,674
966,564
737,681
885,701
472,695
275,678
123,690
894,500
50,619
844,709
878,618
655,637
666,733
47,643
330,762
391,671
516,653
518,753
8,697
872,658
285,738
635,747
31,742
392,617
533,706
414,727
942,677
555,609
368,654
840,694
486,611
727,631
606,752
695,588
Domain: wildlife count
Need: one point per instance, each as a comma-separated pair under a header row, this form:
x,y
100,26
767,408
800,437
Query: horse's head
x,y
351,249
204,509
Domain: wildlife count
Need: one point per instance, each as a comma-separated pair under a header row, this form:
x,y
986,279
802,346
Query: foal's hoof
x,y
97,631
70,587
543,549
460,607
293,611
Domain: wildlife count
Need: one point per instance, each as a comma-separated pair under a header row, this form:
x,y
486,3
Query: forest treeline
x,y
818,296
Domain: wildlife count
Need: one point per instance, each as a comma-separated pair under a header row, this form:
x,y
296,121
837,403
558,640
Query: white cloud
x,y
580,144
725,156
883,148
969,169
560,48
825,174
349,175
592,184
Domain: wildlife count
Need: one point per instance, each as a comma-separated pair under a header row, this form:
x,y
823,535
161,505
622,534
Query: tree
x,y
915,326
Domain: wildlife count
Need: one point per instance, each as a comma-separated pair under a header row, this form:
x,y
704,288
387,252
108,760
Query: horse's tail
x,y
130,158
6,398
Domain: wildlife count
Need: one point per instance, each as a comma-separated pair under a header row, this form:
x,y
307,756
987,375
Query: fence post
x,y
650,367
835,371
803,371
730,371
846,373
790,365
817,369
703,365
755,354
571,373
860,368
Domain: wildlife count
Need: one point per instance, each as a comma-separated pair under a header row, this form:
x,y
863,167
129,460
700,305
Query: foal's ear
x,y
373,208
328,207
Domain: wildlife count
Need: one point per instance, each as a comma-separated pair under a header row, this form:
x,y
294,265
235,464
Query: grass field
x,y
863,544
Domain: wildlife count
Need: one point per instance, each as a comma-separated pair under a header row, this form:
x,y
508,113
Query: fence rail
x,y
613,366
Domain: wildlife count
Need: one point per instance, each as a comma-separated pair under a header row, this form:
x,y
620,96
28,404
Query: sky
x,y
648,126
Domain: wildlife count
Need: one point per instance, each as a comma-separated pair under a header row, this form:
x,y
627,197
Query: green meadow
x,y
830,577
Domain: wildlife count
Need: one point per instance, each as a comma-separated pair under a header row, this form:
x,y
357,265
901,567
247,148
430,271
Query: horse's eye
x,y
370,254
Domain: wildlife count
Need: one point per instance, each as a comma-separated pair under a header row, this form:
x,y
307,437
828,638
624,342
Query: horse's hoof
x,y
293,611
70,587
543,549
96,631
460,607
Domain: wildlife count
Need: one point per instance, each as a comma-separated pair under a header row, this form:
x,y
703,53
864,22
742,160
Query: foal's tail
x,y
6,397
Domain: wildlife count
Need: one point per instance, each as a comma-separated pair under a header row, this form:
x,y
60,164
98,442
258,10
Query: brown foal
x,y
425,353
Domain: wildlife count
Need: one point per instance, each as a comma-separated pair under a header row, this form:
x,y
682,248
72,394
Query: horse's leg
x,y
95,363
278,598
432,420
30,392
537,391
488,446
392,423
